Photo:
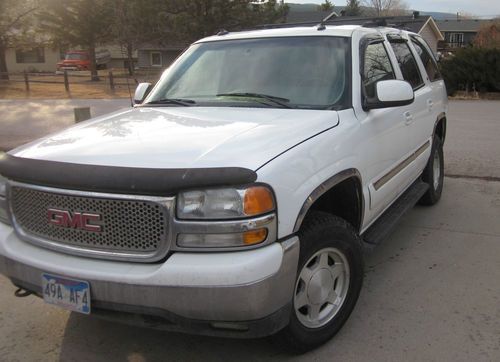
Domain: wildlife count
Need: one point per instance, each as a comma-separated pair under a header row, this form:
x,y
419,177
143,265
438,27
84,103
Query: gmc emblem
x,y
76,220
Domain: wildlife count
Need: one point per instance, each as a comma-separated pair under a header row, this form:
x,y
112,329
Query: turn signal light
x,y
258,200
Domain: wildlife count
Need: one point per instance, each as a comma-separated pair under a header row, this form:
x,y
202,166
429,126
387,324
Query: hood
x,y
182,137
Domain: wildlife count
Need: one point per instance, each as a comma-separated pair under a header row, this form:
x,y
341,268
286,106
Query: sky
x,y
489,8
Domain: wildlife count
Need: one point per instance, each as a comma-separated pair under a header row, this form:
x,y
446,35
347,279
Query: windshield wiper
x,y
283,102
178,101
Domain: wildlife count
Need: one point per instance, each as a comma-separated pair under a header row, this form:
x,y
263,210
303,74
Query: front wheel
x,y
433,174
328,281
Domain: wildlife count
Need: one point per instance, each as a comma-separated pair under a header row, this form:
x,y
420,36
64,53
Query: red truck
x,y
80,60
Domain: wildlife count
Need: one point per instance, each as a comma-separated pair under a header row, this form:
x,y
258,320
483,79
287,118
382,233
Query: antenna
x,y
321,25
127,75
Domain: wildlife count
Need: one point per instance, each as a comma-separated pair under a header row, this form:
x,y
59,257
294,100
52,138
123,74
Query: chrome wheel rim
x,y
321,288
436,170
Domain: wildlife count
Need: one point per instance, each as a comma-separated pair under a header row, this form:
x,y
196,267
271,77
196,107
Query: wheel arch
x,y
342,187
440,127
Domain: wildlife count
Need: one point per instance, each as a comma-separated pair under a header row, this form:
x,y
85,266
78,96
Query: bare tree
x,y
387,7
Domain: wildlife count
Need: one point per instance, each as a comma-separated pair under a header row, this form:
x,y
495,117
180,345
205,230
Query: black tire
x,y
433,194
319,231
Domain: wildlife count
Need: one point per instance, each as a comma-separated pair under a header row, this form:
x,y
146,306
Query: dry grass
x,y
51,86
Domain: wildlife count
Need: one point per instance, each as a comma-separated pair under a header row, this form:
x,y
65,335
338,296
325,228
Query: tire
x,y
433,174
340,271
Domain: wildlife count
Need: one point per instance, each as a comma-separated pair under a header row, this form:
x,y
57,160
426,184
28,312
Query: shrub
x,y
472,69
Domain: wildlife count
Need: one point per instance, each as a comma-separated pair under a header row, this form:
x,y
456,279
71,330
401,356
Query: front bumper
x,y
244,293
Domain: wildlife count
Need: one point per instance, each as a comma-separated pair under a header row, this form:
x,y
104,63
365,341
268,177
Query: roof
x,y
163,46
342,30
464,25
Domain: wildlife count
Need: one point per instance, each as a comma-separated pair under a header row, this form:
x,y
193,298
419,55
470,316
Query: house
x,y
35,59
420,24
460,33
159,56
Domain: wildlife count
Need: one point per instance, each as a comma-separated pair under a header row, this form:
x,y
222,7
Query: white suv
x,y
237,197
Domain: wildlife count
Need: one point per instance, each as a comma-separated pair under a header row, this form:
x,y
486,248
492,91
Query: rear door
x,y
436,99
418,115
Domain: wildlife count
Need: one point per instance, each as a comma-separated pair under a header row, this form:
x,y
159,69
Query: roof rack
x,y
334,19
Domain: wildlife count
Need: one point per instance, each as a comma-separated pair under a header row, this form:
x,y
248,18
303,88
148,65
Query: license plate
x,y
66,293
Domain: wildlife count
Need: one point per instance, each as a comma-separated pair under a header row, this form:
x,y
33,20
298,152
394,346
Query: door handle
x,y
408,117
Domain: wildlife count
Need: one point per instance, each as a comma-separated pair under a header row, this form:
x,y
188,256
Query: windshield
x,y
75,56
304,72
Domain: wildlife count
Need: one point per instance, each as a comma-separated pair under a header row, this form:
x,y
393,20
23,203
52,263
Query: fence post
x,y
66,81
26,82
111,81
81,114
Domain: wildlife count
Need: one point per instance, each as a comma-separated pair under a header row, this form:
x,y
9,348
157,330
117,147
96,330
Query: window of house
x,y
377,67
427,59
456,40
156,59
407,64
35,55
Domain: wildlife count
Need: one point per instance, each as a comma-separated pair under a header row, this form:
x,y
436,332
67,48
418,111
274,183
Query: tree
x,y
326,6
192,19
488,36
135,22
85,23
387,7
15,20
353,8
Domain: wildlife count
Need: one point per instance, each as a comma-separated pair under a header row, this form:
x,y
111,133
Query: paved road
x,y
25,120
431,292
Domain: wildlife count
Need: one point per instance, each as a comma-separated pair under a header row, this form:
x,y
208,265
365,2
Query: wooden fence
x,y
66,79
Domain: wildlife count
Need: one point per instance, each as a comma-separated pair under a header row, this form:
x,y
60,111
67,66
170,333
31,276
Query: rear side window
x,y
407,63
377,67
427,59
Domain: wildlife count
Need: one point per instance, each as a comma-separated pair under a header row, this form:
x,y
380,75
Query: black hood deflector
x,y
123,180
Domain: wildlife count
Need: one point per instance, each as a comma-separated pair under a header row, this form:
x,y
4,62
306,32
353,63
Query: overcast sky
x,y
477,7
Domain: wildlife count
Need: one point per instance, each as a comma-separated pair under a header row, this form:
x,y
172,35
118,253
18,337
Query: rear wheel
x,y
328,281
433,174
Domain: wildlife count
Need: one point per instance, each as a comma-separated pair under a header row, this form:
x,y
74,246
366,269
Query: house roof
x,y
163,46
464,25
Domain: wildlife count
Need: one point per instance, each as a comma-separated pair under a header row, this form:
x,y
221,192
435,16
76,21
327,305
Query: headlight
x,y
224,203
3,201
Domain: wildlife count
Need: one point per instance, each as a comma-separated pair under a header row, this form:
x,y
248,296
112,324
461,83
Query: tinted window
x,y
407,64
377,67
427,59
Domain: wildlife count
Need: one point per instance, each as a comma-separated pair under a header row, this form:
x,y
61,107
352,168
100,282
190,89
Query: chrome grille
x,y
129,226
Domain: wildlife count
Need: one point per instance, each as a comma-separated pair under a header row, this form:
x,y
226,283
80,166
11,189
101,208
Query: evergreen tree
x,y
353,8
326,6
86,23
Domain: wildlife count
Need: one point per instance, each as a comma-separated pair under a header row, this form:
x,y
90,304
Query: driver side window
x,y
377,67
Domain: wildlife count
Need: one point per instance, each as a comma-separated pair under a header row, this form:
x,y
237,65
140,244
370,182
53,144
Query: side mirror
x,y
141,92
391,93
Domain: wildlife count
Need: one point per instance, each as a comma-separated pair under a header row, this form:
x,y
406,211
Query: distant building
x,y
460,33
151,55
36,59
